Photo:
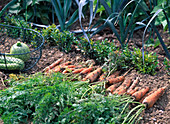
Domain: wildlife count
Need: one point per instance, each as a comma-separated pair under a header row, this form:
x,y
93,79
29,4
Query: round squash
x,y
19,48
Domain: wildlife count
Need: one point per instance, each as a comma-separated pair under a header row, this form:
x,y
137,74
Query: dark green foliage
x,y
150,63
128,59
32,10
42,99
167,65
99,50
38,97
103,110
64,40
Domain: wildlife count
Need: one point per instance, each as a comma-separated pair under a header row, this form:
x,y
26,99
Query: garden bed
x,y
158,114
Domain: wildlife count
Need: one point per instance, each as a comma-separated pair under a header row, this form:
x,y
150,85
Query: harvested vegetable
x,y
147,95
135,82
66,63
118,79
102,77
68,70
93,75
20,48
115,74
150,100
133,91
71,66
11,63
139,94
57,69
87,70
76,71
112,87
53,65
123,87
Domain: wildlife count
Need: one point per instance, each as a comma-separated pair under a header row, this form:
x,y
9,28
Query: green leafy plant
x,y
14,21
46,32
83,45
167,65
43,99
99,50
115,14
31,10
33,98
150,64
64,40
128,59
62,10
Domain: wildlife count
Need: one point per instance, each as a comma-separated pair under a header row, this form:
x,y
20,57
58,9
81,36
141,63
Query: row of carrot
x,y
115,84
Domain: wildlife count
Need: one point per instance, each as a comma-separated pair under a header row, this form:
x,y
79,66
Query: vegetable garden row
x,y
85,92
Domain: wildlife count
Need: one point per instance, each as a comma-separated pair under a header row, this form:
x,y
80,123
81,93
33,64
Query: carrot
x,y
87,70
93,75
53,65
78,70
135,82
117,79
67,70
139,94
102,77
147,95
66,63
115,74
112,88
150,100
123,87
71,66
57,69
133,91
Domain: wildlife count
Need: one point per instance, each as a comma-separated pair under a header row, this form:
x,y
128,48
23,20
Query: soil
x,y
159,113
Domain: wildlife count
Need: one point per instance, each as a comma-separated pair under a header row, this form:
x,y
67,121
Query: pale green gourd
x,y
19,48
11,63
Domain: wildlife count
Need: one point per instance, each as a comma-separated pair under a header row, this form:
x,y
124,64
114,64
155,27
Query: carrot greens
x,y
53,99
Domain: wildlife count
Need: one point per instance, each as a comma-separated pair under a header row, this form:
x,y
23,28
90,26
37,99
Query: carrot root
x,y
87,70
139,94
150,100
123,87
93,75
135,82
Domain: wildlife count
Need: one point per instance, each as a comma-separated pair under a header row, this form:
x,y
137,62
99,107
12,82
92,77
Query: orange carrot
x,y
66,63
117,79
57,69
56,63
147,95
150,100
112,87
133,91
115,74
123,87
78,70
71,66
93,75
139,94
53,65
67,70
87,70
102,77
135,82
